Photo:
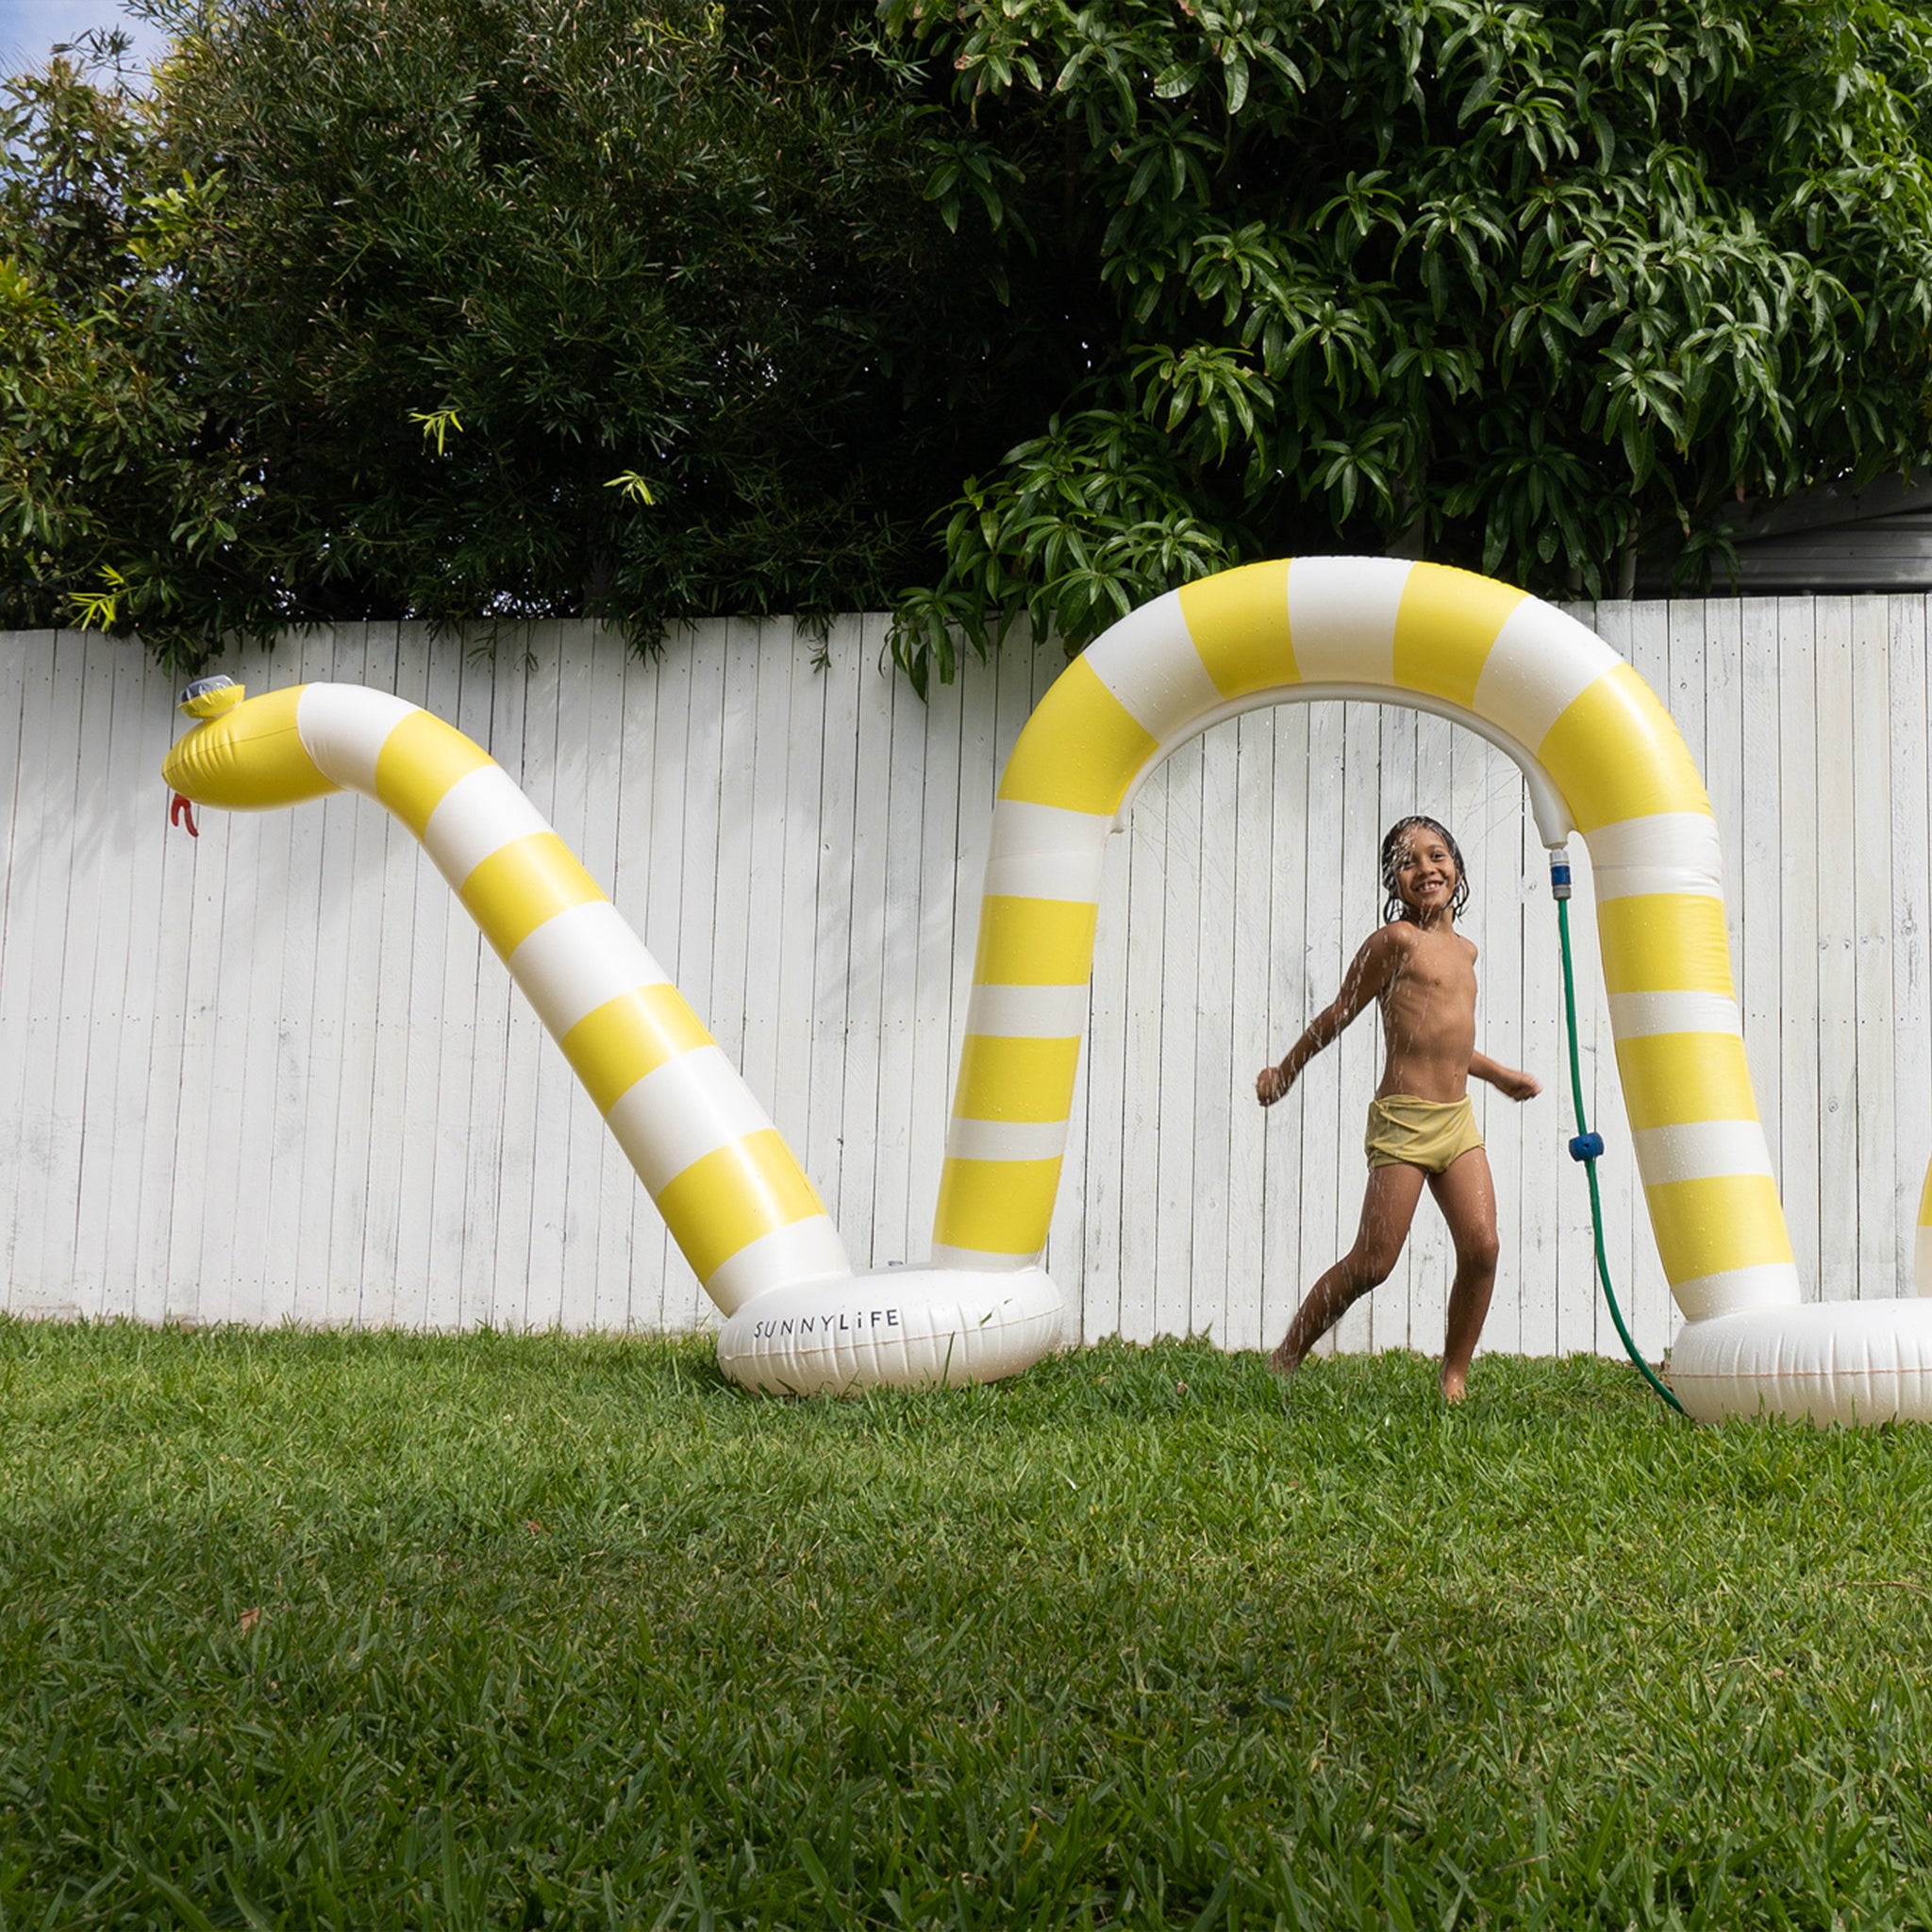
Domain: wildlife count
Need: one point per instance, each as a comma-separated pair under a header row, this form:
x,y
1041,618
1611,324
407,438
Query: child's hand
x,y
1271,1083
1518,1085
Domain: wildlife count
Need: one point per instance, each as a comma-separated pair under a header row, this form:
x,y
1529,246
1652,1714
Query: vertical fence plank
x,y
425,1284
570,1131
1249,1031
1497,833
691,940
1798,926
1572,1233
601,1179
670,727
1291,1004
867,982
61,1036
1098,1184
1911,910
1581,1320
625,686
404,1024
1760,884
738,782
1358,1053
525,1262
1544,1170
1068,1259
1214,1287
52,737
1140,1139
931,911
302,1110
27,673
1175,1016
337,1019
492,1285
109,1262
474,1008
894,1095
115,785
17,655
1721,646
255,941
1328,1123
181,873
764,782
830,1016
206,1082
1874,1169
802,813
267,962
633,1224
1837,1034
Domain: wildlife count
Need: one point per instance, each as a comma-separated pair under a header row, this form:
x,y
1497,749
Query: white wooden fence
x,y
275,1075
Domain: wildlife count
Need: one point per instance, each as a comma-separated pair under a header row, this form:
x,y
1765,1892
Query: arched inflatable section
x,y
1599,754
1605,760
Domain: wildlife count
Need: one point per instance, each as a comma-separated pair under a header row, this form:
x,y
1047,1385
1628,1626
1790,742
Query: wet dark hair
x,y
1394,907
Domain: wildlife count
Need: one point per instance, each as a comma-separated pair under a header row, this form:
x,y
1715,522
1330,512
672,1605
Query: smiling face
x,y
1422,871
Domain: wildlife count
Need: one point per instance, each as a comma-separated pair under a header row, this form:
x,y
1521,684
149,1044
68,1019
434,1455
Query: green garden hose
x,y
1586,1146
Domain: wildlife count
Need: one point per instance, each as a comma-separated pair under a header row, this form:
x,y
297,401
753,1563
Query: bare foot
x,y
1455,1386
1284,1361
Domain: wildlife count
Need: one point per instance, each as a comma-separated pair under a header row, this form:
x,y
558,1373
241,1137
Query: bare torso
x,y
1429,1013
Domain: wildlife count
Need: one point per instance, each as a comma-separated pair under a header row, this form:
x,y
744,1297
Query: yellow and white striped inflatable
x,y
1599,754
735,1201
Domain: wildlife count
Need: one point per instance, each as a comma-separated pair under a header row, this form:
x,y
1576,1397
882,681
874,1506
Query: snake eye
x,y
209,698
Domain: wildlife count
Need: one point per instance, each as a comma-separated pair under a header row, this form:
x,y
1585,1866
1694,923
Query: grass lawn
x,y
373,1630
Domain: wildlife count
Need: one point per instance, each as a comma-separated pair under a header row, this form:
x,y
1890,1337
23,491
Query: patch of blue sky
x,y
30,30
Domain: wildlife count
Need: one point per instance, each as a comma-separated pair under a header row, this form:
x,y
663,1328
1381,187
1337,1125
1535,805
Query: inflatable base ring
x,y
1854,1362
900,1327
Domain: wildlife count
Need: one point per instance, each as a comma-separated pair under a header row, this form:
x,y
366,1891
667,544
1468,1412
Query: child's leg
x,y
1466,1193
1388,1207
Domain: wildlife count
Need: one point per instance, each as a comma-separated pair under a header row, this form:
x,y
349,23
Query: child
x,y
1422,1127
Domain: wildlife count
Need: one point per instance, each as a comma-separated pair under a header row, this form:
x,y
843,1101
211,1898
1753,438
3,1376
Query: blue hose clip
x,y
1560,873
1586,1147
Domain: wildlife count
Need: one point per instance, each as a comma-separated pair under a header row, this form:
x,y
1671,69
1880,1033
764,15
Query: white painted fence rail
x,y
276,1076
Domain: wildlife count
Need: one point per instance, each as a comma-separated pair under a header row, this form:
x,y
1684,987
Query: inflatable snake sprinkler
x,y
1599,755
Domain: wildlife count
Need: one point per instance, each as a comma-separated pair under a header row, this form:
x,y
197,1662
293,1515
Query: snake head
x,y
244,757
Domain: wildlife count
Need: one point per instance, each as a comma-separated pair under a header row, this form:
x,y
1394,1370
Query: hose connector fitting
x,y
1560,873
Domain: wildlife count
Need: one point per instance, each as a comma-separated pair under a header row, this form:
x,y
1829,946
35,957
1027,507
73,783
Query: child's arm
x,y
1368,973
1518,1085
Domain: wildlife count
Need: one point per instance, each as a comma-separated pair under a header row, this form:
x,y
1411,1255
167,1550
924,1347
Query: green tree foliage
x,y
480,308
1525,285
115,493
526,308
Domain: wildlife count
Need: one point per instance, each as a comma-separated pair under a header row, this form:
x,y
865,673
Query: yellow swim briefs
x,y
1428,1134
